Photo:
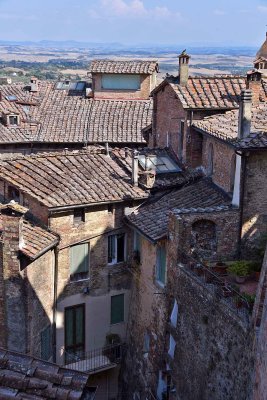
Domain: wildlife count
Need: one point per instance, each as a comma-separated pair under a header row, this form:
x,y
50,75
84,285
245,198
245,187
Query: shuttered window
x,y
117,309
79,261
161,264
46,343
74,331
137,242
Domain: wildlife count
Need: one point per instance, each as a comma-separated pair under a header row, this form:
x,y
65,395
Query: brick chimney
x,y
183,68
34,84
245,110
254,79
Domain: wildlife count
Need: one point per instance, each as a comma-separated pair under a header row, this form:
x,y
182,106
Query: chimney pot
x,y
183,68
245,111
135,168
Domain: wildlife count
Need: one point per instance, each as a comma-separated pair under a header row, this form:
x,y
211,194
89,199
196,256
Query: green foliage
x,y
240,268
249,297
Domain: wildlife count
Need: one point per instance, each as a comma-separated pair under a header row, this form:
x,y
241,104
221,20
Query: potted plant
x,y
240,269
220,267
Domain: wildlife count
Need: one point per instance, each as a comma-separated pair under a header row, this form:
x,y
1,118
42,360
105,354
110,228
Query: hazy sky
x,y
236,22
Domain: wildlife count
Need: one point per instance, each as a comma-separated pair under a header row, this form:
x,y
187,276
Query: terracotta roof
x,y
216,92
164,180
123,67
210,92
35,240
70,178
23,377
152,218
62,116
225,127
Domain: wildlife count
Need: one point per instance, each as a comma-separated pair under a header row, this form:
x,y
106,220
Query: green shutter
x,y
137,242
117,309
161,264
69,327
79,258
46,344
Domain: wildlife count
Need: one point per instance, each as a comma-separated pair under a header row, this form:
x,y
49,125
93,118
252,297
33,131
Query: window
x,y
146,345
78,216
181,140
74,332
13,194
121,82
232,176
116,248
110,208
137,242
161,264
160,164
174,314
117,309
13,120
79,261
46,344
172,346
210,159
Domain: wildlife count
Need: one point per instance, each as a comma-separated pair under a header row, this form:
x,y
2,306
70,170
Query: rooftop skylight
x,y
160,164
68,85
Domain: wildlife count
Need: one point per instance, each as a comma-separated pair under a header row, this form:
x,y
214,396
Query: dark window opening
x,y
74,333
110,208
13,193
116,248
78,215
13,120
117,309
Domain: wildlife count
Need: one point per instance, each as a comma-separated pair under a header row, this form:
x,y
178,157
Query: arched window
x,y
210,159
204,238
232,176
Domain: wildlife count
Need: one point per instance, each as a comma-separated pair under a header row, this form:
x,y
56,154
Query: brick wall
x,y
147,316
260,384
223,155
213,357
3,328
168,112
226,245
255,200
40,298
15,296
143,93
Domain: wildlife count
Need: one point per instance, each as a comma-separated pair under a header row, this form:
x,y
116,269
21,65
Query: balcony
x,y
96,360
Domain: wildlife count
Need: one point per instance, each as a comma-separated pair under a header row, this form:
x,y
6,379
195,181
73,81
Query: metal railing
x,y
94,360
223,288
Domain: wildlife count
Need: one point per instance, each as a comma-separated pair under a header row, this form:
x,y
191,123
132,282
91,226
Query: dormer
x,y
11,119
123,79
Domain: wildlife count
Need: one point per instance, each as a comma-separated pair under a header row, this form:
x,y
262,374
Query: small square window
x,y
13,120
78,216
13,194
110,208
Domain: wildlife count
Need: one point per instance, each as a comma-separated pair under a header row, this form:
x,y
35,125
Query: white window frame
x,y
114,260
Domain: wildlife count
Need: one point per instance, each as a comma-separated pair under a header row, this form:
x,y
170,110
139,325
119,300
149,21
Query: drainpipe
x,y
54,325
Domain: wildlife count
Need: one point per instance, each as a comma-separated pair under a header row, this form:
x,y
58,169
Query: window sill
x,y
118,323
79,280
120,263
160,284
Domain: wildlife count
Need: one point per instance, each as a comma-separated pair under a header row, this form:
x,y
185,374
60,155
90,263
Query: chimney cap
x,y
184,54
246,95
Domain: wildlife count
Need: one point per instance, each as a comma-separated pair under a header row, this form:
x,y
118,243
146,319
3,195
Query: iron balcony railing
x,y
94,360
